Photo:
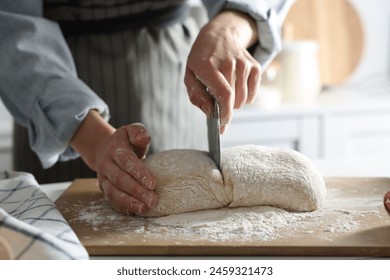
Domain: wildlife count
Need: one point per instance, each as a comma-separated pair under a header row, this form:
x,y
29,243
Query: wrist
x,y
240,25
92,131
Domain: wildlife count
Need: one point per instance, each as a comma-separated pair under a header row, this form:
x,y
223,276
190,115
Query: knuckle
x,y
127,163
208,61
122,182
257,69
242,63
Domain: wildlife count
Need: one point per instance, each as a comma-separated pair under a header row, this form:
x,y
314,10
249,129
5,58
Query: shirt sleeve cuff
x,y
57,117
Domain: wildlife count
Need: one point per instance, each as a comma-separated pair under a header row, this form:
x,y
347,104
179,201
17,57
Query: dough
x,y
268,176
188,180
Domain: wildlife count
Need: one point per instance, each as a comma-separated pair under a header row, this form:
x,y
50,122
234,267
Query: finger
x,y
224,94
127,161
139,138
131,187
121,201
219,87
229,71
198,94
254,81
241,93
132,165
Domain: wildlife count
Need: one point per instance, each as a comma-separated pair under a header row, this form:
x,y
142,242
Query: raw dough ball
x,y
188,180
283,178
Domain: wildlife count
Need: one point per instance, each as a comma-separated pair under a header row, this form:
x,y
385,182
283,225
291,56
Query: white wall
x,y
375,63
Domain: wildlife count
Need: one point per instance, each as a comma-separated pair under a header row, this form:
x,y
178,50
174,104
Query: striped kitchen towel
x,y
30,223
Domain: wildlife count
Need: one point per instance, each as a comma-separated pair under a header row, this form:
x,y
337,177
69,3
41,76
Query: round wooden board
x,y
338,29
6,252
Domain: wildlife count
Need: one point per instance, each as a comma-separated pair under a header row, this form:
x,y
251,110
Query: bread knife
x,y
213,134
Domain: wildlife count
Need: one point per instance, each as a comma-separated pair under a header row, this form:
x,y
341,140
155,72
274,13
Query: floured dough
x,y
188,180
268,176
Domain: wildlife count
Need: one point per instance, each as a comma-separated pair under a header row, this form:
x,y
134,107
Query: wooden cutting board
x,y
336,25
353,222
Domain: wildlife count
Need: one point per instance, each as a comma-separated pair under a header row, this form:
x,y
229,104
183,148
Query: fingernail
x,y
140,209
147,182
141,136
149,199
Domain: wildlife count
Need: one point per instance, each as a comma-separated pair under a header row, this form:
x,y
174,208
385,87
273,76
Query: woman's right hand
x,y
116,156
220,67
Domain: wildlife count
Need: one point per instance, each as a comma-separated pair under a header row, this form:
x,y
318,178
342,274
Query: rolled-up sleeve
x,y
266,13
38,80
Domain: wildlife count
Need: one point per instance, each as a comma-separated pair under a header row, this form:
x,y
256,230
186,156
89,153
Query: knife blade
x,y
213,128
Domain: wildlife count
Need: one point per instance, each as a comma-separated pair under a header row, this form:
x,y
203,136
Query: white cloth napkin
x,y
31,224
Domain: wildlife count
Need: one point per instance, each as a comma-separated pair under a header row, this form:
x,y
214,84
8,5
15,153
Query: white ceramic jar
x,y
298,75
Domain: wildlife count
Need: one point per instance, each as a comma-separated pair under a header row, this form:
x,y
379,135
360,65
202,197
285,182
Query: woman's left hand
x,y
220,66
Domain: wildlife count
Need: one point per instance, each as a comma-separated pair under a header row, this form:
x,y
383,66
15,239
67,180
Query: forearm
x,y
92,131
39,84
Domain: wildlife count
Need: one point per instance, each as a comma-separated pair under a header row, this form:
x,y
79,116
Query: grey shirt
x,y
38,79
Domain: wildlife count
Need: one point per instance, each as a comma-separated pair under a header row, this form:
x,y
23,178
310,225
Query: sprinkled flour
x,y
339,216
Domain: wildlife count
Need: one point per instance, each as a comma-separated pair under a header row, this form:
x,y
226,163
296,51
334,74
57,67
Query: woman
x,y
65,63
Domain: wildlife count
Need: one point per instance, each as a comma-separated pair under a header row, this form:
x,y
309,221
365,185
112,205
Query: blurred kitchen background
x,y
326,95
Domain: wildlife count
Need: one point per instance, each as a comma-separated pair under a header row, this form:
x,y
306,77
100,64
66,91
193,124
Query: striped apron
x,y
136,66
